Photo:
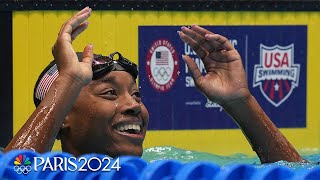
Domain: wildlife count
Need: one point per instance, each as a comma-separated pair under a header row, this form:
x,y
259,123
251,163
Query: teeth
x,y
126,127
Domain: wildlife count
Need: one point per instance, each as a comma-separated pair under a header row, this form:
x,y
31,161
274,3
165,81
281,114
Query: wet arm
x,y
225,83
40,130
265,138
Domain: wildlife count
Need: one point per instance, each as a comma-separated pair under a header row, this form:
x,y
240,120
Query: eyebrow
x,y
111,80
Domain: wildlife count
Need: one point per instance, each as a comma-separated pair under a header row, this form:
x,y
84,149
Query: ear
x,y
64,129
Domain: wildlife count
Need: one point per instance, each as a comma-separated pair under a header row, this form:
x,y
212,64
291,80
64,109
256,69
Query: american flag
x,y
46,82
162,58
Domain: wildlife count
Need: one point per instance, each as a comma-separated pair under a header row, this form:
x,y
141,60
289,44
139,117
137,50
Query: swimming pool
x,y
186,156
160,163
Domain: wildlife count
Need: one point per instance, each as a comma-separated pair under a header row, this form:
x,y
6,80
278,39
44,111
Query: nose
x,y
131,106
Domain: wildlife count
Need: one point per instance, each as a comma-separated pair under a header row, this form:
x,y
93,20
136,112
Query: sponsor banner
x,y
274,58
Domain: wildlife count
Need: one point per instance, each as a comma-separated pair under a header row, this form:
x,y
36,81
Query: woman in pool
x,y
95,107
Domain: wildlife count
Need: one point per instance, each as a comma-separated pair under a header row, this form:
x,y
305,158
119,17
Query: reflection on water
x,y
182,155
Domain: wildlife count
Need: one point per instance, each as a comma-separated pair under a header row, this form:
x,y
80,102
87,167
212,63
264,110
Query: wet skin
x,y
94,115
101,109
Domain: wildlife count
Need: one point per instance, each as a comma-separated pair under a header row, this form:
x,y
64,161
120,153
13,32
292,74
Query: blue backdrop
x,y
274,58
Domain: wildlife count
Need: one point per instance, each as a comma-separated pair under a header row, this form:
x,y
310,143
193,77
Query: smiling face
x,y
108,118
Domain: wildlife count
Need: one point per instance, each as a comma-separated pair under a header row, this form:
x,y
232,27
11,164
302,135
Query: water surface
x,y
182,155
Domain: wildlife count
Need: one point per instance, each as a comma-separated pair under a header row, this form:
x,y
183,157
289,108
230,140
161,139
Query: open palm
x,y
225,80
65,57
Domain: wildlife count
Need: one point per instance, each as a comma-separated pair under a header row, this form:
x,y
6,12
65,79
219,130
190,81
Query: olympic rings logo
x,y
22,169
162,73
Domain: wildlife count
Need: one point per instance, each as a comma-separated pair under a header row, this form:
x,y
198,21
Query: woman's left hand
x,y
225,79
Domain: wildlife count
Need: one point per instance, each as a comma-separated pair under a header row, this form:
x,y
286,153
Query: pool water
x,y
185,156
158,163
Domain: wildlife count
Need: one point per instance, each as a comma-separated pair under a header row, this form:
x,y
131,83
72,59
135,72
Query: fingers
x,y
219,42
206,39
195,71
220,56
224,56
193,44
87,55
200,30
199,38
70,30
79,30
83,11
74,22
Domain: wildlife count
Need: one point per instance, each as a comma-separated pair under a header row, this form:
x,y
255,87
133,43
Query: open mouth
x,y
129,128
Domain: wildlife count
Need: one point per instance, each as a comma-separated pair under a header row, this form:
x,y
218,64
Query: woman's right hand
x,y
64,54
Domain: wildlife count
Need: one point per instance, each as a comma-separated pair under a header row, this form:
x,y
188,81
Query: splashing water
x,y
182,155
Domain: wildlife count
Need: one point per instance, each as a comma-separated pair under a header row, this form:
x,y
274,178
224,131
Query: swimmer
x,y
94,104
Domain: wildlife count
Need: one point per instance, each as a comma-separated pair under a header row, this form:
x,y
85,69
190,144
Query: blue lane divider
x,y
44,171
126,172
198,170
131,167
162,169
237,171
26,164
310,174
83,163
274,172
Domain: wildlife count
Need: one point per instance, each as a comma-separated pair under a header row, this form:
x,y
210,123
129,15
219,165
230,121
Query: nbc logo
x,y
22,164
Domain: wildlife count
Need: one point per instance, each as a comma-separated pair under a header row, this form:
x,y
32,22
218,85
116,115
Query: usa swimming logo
x,y
277,75
22,164
162,65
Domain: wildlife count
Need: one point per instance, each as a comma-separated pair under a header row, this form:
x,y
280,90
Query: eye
x,y
109,94
137,94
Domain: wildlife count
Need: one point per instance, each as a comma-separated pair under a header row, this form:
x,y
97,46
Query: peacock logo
x,y
22,164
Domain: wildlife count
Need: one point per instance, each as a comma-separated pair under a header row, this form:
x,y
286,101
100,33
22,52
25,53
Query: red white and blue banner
x,y
274,58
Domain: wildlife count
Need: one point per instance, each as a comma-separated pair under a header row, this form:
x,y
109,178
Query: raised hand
x,y
225,80
40,130
66,58
225,83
